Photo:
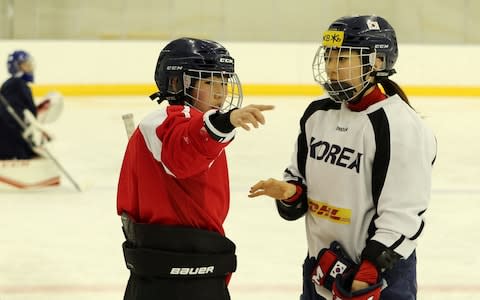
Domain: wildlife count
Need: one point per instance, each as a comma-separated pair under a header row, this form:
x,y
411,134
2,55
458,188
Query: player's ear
x,y
173,84
379,63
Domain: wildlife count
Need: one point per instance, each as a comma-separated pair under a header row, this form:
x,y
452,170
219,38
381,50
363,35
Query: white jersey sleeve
x,y
405,153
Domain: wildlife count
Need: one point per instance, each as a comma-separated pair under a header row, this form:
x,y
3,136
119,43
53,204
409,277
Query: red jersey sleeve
x,y
178,139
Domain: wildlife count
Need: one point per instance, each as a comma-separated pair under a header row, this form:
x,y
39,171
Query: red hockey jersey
x,y
174,172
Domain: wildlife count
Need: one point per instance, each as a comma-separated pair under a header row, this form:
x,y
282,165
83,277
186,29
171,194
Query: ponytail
x,y
391,88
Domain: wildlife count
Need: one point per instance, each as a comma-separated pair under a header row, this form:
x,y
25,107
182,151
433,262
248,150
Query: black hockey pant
x,y
176,263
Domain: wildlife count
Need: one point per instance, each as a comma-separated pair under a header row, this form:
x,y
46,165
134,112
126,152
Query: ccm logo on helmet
x,y
192,271
226,60
174,68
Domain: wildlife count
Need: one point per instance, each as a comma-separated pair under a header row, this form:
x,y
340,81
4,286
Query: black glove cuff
x,y
380,255
218,125
221,121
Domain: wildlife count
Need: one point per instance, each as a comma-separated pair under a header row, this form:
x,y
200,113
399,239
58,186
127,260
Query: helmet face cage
x,y
370,38
222,85
354,78
188,63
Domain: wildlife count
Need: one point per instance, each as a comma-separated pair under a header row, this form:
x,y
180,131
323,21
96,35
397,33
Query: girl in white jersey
x,y
361,170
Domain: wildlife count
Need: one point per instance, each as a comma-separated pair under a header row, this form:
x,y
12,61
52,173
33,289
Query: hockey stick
x,y
129,124
22,124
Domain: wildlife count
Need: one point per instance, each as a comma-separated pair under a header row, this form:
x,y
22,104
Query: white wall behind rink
x,y
133,62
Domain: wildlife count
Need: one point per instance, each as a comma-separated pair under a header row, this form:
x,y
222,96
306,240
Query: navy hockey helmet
x,y
186,60
14,62
371,37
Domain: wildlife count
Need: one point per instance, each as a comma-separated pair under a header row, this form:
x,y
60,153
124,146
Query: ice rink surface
x,y
62,244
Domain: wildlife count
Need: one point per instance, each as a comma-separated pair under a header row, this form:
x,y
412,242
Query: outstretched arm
x,y
220,125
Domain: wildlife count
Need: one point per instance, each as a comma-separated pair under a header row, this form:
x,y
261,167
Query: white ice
x,y
62,244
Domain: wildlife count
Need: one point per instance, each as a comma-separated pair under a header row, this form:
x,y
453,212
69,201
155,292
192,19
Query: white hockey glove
x,y
50,108
35,133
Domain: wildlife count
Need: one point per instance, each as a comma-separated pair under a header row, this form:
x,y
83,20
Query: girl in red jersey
x,y
173,191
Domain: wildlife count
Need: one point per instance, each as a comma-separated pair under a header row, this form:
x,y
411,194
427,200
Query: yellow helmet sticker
x,y
332,38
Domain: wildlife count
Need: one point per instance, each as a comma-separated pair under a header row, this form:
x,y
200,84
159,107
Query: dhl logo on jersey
x,y
332,38
326,211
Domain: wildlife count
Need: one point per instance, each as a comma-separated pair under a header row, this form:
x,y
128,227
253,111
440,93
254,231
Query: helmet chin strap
x,y
378,76
345,92
157,96
340,92
360,95
372,73
172,99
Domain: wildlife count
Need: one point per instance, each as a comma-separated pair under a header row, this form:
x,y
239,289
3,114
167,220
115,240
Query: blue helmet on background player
x,y
20,64
370,37
184,61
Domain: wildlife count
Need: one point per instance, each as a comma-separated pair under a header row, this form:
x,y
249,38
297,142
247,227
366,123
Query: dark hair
x,y
391,88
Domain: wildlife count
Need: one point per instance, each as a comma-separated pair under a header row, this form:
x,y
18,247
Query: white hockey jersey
x,y
368,175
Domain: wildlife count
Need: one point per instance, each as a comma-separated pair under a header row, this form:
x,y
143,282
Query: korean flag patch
x,y
373,25
337,269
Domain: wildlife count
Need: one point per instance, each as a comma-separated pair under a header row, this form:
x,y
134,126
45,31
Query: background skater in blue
x,y
361,170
